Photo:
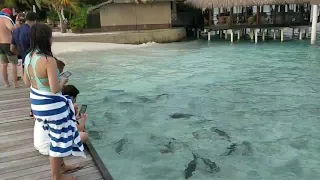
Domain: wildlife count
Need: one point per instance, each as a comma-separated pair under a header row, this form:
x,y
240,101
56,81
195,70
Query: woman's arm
x,y
26,79
52,72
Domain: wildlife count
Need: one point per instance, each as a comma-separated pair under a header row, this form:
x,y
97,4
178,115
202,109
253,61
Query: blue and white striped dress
x,y
58,116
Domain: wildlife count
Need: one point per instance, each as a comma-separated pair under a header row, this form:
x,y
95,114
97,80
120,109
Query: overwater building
x,y
231,19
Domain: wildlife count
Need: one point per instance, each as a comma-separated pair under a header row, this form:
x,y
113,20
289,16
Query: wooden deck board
x,y
18,158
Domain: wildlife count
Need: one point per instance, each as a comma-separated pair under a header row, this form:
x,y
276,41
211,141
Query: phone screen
x,y
66,74
83,109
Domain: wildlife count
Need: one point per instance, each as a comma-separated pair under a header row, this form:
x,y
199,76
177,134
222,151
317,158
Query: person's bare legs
x,y
55,163
4,70
14,62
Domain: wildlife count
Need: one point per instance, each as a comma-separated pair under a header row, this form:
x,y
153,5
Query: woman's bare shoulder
x,y
48,60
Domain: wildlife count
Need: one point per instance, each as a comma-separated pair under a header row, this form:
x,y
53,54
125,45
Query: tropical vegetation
x,y
58,10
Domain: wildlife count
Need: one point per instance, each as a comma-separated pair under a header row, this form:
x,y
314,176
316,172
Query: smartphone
x,y
66,74
83,109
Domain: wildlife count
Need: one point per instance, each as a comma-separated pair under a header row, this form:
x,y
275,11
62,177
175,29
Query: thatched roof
x,y
239,3
94,8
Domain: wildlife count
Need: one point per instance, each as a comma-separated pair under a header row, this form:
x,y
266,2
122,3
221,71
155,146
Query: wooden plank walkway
x,y
18,158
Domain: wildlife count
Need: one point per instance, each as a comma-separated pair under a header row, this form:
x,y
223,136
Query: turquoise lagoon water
x,y
265,98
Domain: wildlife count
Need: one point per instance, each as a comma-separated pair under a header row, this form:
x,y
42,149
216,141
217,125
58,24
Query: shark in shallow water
x,y
212,167
180,116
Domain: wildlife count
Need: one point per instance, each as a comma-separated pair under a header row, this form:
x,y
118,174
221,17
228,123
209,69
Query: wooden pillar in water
x,y
281,35
314,23
239,34
274,35
231,37
300,34
209,35
263,34
256,36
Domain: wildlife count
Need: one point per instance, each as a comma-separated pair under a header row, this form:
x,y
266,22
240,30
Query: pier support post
x,y
274,35
263,34
300,34
226,34
314,23
281,35
256,36
239,34
209,36
198,33
220,34
231,38
251,34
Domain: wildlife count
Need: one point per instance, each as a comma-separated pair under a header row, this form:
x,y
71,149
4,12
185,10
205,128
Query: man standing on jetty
x,y
6,56
21,37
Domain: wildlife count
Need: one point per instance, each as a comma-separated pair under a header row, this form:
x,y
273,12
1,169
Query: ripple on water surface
x,y
246,111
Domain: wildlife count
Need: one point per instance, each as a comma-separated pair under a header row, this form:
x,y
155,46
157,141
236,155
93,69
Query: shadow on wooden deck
x,y
18,158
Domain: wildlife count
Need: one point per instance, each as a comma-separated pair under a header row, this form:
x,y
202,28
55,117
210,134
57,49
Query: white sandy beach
x,y
64,47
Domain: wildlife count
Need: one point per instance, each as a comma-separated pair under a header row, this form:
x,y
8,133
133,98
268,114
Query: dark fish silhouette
x,y
162,95
168,149
120,145
116,90
192,166
220,133
95,134
232,148
144,99
245,149
212,165
180,115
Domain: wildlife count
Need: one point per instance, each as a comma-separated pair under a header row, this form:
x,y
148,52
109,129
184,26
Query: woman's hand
x,y
83,117
64,81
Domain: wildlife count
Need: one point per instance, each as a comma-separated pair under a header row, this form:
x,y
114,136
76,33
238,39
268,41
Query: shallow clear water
x,y
265,95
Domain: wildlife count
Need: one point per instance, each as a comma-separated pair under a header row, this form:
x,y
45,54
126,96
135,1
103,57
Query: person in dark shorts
x,y
6,56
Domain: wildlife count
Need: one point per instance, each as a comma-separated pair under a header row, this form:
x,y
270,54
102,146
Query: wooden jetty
x,y
18,158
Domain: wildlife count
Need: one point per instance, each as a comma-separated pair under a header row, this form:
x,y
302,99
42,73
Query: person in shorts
x,y
6,56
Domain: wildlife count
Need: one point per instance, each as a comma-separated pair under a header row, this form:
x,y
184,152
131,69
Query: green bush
x,y
79,22
53,16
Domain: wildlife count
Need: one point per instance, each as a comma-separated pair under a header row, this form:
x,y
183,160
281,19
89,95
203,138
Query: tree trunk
x,y
63,24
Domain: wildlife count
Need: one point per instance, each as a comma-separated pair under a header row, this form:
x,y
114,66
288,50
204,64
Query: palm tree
x,y
58,6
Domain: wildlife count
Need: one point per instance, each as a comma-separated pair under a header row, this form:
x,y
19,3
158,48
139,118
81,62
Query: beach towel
x,y
58,116
5,16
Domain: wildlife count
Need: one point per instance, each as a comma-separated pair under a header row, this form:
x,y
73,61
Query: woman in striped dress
x,y
49,106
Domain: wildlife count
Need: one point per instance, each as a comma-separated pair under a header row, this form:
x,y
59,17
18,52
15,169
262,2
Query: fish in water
x,y
180,115
221,133
212,165
95,134
120,145
232,148
192,166
244,149
168,149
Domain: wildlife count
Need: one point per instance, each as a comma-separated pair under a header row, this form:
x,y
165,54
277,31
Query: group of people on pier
x,y
59,129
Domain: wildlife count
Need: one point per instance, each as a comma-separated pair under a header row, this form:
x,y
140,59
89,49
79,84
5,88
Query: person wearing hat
x,y
6,56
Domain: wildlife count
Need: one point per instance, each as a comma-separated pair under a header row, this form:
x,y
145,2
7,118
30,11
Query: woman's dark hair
x,y
40,39
70,90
